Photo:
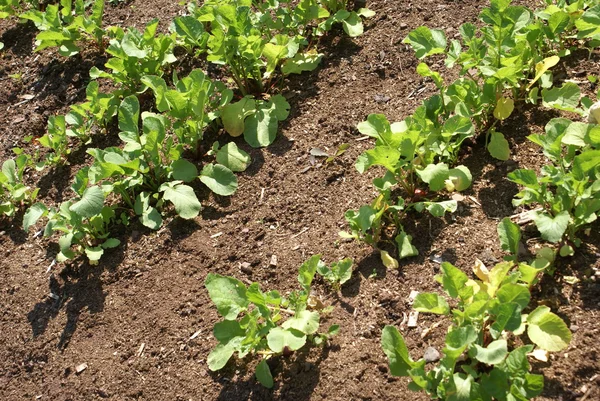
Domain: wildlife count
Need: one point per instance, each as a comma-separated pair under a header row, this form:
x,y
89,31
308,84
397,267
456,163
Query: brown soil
x,y
131,318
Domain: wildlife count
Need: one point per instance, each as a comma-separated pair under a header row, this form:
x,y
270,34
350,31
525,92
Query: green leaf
x,y
563,98
498,146
426,42
304,321
111,243
233,157
405,247
227,330
504,108
90,204
9,169
493,354
33,214
228,294
184,170
458,338
220,355
301,62
585,163
151,218
576,133
461,178
279,338
431,303
263,374
388,261
435,175
306,272
94,254
548,331
524,177
353,25
183,198
395,349
453,279
516,293
510,235
552,229
261,128
233,115
219,179
129,114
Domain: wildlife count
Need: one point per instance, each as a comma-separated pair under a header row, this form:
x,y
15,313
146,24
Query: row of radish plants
x,y
503,62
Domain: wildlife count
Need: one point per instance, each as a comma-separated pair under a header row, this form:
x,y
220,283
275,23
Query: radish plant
x,y
265,323
568,189
482,358
14,194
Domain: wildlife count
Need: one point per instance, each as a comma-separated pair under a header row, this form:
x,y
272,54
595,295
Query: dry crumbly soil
x,y
132,318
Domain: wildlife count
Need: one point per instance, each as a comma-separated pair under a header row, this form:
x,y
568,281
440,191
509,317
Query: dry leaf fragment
x,y
539,354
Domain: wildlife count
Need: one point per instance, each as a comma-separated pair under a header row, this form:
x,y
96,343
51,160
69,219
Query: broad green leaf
x,y
524,177
9,169
233,115
305,321
405,247
395,349
576,133
151,218
94,253
498,146
461,178
552,228
219,179
385,156
434,175
458,338
516,293
183,198
534,385
426,42
227,330
111,243
33,214
585,163
184,170
453,279
461,387
301,62
504,108
219,356
547,330
233,157
263,374
306,272
261,127
353,25
228,295
129,114
90,204
510,235
279,338
588,24
431,303
563,98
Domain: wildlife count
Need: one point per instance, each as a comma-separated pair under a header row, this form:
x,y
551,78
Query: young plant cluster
x,y
506,60
484,356
266,323
154,170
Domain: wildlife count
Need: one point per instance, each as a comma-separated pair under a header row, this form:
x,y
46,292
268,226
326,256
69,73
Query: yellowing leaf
x,y
543,66
388,261
539,354
504,108
481,271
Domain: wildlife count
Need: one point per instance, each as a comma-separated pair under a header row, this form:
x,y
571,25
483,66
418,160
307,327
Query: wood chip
x,y
305,229
526,216
411,298
412,319
428,329
80,368
196,334
140,350
273,262
216,235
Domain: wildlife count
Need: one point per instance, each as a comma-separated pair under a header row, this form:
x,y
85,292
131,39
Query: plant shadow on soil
x,y
78,289
300,378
